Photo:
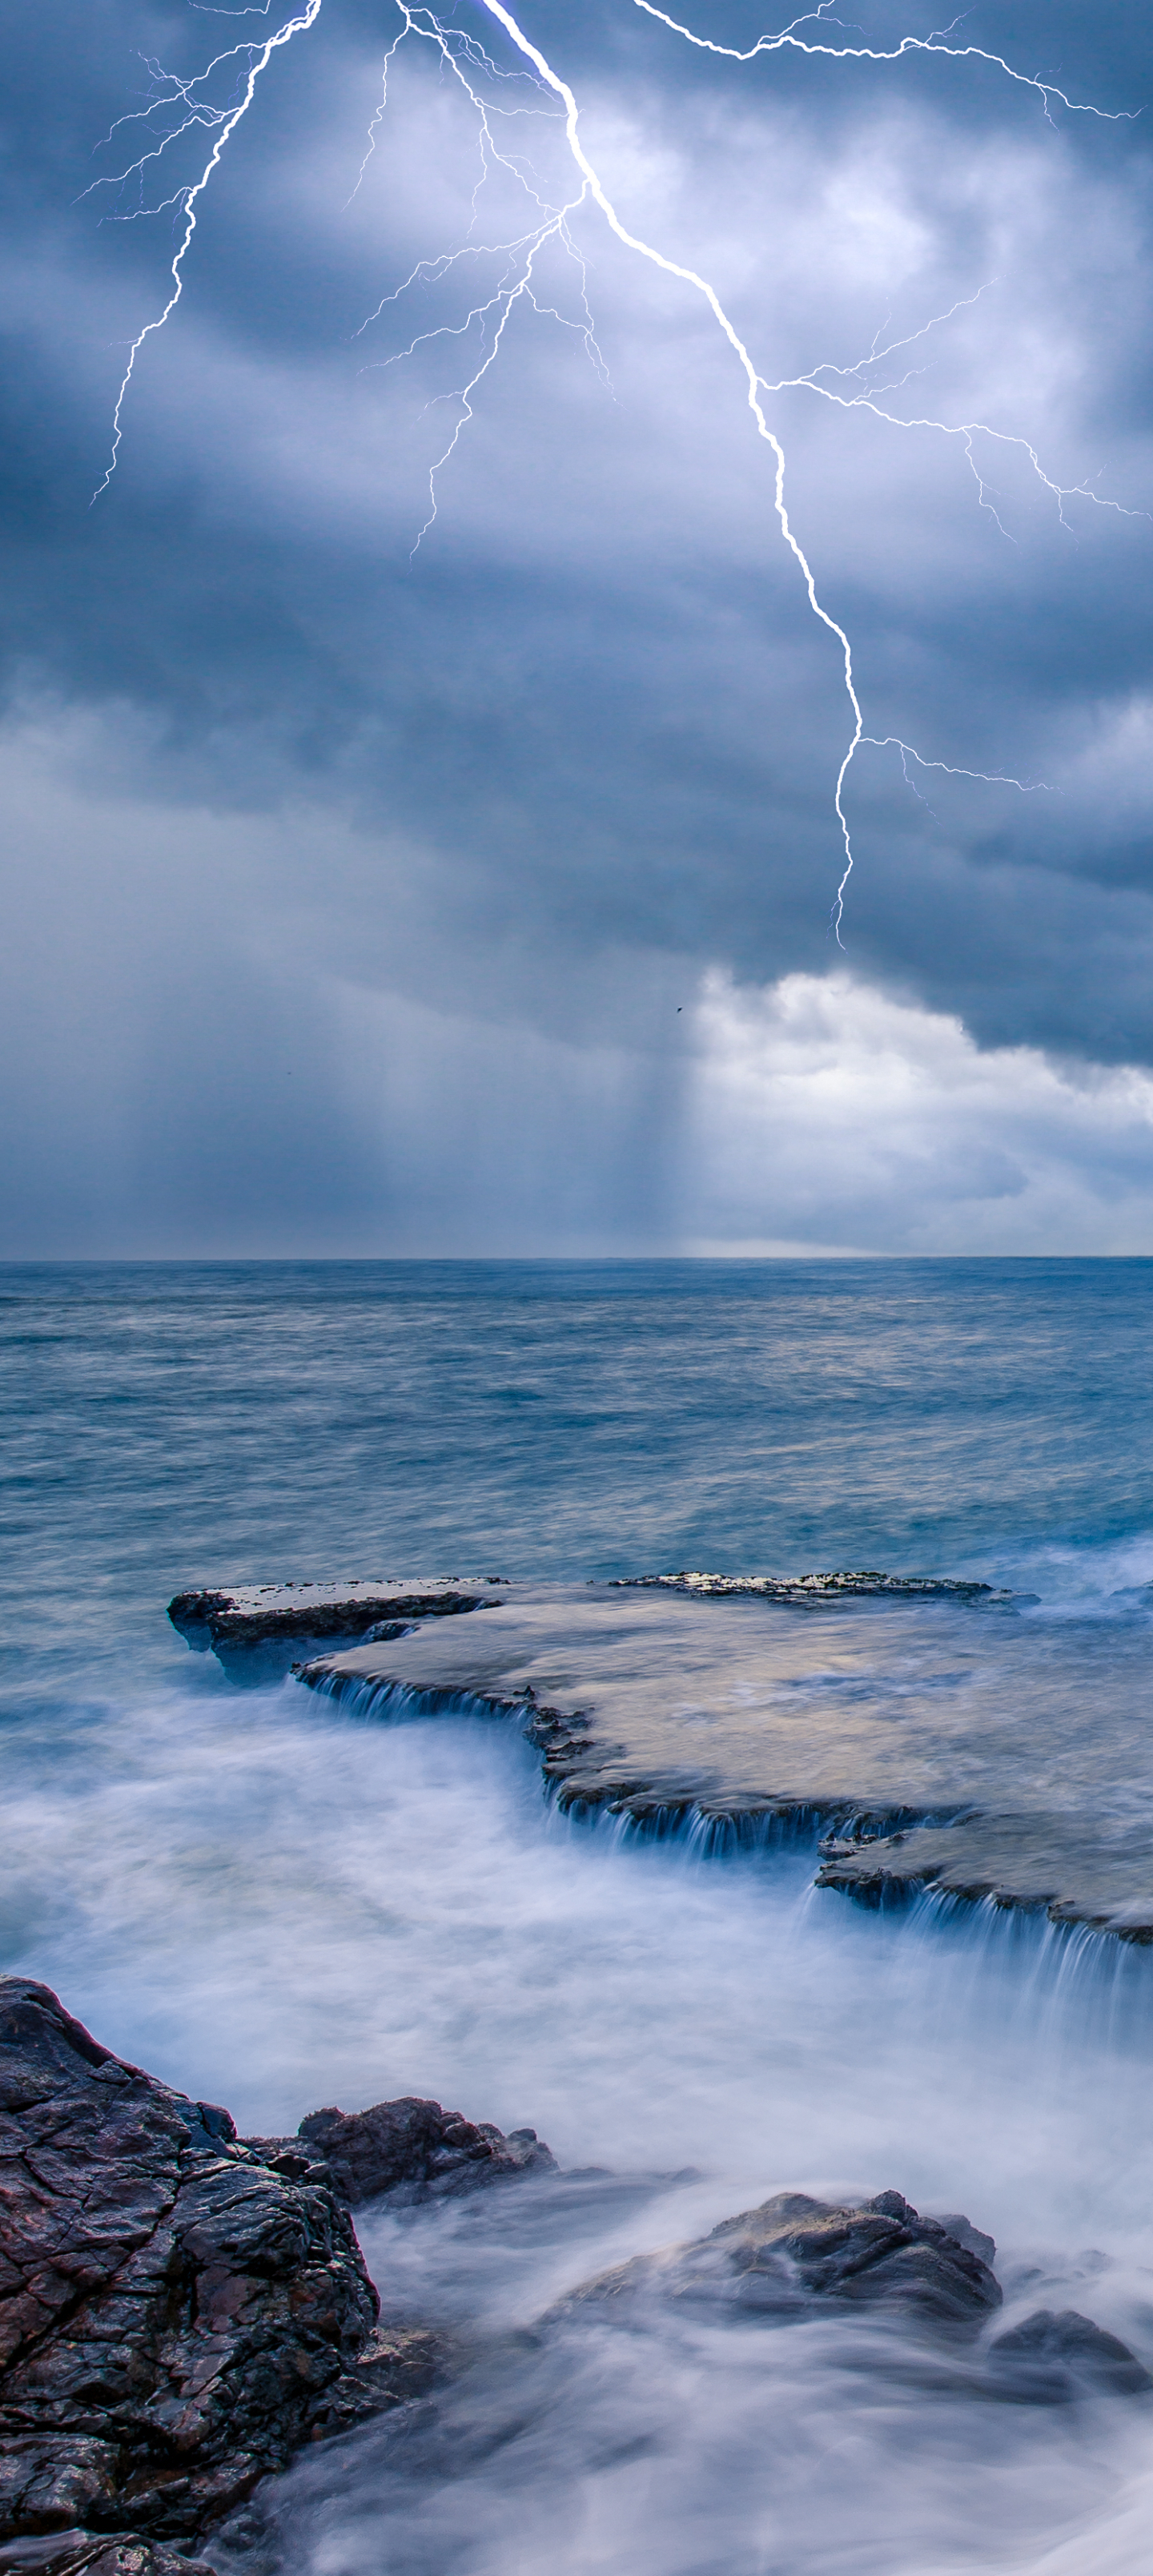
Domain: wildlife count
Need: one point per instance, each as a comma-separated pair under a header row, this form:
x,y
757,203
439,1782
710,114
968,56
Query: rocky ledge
x,y
180,2308
268,1615
802,1588
930,1735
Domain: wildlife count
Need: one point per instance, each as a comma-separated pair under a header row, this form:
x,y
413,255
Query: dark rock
x,y
777,2259
397,2363
267,1614
416,2151
93,2553
966,2234
289,2157
1053,2357
175,2316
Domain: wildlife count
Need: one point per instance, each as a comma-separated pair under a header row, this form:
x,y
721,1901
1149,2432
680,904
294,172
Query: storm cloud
x,y
479,898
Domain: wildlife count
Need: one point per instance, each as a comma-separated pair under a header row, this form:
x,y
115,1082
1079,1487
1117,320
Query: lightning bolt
x,y
691,277
983,777
965,430
790,41
459,54
462,56
226,121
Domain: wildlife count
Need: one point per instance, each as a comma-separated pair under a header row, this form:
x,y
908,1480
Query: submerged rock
x,y
176,2315
1053,2357
778,2259
415,2151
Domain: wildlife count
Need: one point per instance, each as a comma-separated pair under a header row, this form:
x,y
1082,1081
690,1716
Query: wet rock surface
x,y
84,2553
1044,1863
840,1585
181,2309
178,2311
417,2151
955,2224
927,1731
410,2149
931,2279
1051,2358
268,1615
792,2252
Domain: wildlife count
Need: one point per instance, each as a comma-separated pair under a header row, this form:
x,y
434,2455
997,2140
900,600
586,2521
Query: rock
x,y
268,1614
415,2151
778,2259
674,1703
175,2315
966,2234
289,2157
675,1706
860,1584
398,2362
1053,2357
88,2553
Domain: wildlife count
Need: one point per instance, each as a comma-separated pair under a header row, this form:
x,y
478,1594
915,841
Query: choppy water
x,y
275,1904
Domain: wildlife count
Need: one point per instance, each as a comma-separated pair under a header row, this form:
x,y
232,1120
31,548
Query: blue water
x,y
275,1904
168,1424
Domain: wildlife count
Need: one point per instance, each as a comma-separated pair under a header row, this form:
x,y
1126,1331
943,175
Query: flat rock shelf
x,y
931,1734
256,1619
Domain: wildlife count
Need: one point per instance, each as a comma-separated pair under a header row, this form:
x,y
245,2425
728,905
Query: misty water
x,y
275,1901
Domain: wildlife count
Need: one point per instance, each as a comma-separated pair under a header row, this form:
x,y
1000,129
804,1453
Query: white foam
x,y
276,1905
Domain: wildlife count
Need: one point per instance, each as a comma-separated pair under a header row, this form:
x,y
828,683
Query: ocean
x,y
276,1900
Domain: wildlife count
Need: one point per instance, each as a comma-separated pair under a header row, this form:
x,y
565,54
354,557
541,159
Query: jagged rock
x,y
415,2151
966,2234
88,2553
777,2259
1052,2357
398,2362
175,2316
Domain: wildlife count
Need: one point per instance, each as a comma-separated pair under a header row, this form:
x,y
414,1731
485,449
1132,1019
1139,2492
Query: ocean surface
x,y
276,1903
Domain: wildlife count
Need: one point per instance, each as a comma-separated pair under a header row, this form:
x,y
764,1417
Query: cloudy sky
x,y
477,899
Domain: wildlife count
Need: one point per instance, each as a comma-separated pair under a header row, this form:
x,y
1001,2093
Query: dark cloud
x,y
580,750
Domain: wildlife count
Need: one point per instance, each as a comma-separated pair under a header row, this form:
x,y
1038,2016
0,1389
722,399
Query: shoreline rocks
x,y
180,2310
776,2261
885,2263
1049,2359
414,2151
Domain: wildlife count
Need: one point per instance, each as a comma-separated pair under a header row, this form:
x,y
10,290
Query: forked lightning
x,y
187,104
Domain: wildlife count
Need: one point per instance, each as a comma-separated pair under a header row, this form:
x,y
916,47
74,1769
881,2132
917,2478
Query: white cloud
x,y
826,1114
253,1033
